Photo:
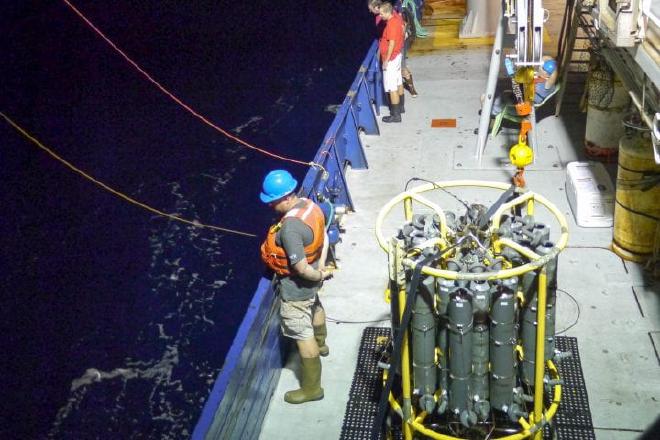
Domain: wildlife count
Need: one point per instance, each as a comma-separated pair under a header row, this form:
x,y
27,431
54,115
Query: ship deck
x,y
618,330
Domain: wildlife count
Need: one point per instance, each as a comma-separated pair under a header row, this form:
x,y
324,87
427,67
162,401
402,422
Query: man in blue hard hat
x,y
295,250
545,84
546,81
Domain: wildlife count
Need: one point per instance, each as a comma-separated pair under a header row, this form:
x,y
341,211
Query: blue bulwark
x,y
238,402
341,145
249,375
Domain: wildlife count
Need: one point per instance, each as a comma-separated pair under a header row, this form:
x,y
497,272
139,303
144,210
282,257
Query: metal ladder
x,y
573,52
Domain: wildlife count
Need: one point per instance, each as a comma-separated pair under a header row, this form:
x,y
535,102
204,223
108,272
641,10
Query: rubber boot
x,y
410,86
395,114
310,385
402,103
320,333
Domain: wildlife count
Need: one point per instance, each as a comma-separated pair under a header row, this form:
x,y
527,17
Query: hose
x,y
379,424
419,30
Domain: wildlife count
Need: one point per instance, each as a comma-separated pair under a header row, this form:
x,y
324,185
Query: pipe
x,y
527,252
540,351
393,403
423,340
493,72
642,112
530,207
409,196
529,326
480,384
460,356
502,348
405,373
407,209
550,301
497,215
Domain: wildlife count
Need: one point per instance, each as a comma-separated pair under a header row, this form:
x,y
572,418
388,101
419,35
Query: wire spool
x,y
637,208
607,102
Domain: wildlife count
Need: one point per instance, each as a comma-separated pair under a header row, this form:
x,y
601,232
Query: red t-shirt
x,y
393,31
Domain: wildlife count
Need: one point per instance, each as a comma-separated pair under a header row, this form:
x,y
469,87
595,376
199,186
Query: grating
x,y
572,421
363,398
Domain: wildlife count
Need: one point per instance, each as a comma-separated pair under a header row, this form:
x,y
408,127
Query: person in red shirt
x,y
390,46
408,36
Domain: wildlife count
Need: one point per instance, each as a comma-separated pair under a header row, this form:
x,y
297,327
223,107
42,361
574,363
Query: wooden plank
x,y
444,36
442,9
442,19
262,338
254,389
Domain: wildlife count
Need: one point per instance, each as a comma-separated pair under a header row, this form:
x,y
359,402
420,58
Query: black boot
x,y
402,99
408,85
395,114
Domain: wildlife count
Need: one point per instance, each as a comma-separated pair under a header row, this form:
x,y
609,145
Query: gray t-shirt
x,y
293,237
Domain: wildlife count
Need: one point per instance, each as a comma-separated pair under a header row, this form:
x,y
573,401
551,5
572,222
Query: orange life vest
x,y
275,257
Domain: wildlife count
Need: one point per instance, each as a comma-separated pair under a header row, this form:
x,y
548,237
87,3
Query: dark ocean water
x,y
114,322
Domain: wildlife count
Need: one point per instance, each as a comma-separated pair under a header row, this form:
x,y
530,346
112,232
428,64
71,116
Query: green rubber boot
x,y
310,388
320,333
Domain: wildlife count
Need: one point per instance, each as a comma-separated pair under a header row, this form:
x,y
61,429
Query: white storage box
x,y
590,193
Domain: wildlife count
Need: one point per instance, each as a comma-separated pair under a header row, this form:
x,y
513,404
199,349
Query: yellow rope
x,y
115,192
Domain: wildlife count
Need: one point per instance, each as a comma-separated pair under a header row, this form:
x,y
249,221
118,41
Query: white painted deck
x,y
618,307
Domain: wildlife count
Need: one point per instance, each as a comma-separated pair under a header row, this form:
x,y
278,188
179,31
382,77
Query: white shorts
x,y
392,76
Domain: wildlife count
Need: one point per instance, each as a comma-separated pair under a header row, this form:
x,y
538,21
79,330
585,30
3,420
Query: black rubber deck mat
x,y
572,421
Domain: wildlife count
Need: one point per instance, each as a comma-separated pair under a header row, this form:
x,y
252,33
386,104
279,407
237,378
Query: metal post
x,y
534,137
405,373
493,73
407,209
540,352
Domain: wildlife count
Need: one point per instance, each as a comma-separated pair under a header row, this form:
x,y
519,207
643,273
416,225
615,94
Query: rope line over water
x,y
119,194
179,101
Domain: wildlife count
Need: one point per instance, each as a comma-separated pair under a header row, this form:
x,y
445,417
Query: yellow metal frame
x,y
538,418
528,198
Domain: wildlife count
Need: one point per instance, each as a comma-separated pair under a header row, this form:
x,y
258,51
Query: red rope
x,y
174,98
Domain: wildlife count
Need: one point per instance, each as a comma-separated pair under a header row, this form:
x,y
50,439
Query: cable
x,y
342,321
435,186
379,422
179,101
577,304
588,247
114,191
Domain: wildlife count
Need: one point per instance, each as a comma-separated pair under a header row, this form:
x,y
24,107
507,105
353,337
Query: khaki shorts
x,y
296,318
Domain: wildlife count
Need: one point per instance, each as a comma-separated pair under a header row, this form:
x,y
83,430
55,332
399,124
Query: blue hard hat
x,y
277,184
550,66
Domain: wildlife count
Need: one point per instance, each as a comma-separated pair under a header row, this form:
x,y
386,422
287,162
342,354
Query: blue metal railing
x,y
240,396
342,144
